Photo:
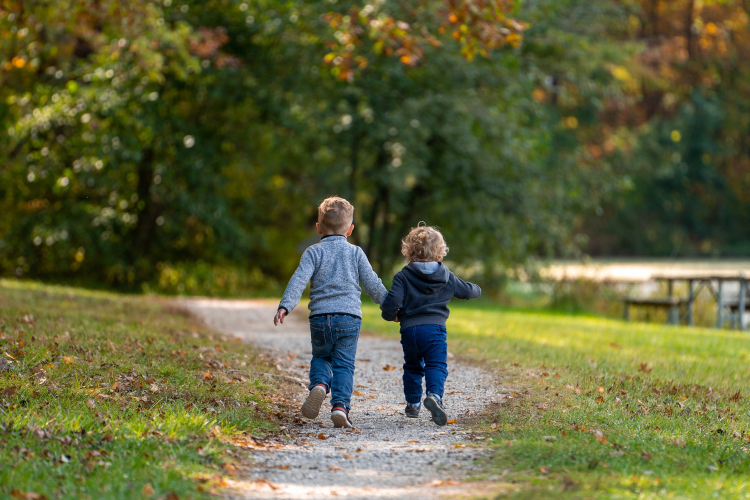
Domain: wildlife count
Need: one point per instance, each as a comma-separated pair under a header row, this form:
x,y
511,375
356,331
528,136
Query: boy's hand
x,y
279,318
395,320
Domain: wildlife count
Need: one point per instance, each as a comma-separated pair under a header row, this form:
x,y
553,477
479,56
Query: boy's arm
x,y
394,301
371,283
298,282
465,290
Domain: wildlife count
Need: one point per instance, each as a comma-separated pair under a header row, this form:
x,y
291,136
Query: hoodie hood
x,y
427,283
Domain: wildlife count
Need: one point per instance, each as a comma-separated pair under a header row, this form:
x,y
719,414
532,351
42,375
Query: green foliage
x,y
141,140
102,394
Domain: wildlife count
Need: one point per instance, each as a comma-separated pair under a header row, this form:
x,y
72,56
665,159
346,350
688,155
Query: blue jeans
x,y
334,347
425,355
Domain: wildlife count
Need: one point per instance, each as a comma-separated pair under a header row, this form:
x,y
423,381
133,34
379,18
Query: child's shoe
x,y
412,410
311,406
340,417
434,404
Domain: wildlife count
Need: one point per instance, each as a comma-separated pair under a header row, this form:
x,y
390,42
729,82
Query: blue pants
x,y
425,355
334,347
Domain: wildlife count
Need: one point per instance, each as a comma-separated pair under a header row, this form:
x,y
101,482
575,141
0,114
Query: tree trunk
x,y
689,28
145,228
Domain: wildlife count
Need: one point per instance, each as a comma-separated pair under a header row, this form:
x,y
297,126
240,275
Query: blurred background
x,y
182,147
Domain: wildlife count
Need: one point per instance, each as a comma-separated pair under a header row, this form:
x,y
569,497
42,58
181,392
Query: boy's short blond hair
x,y
424,244
335,215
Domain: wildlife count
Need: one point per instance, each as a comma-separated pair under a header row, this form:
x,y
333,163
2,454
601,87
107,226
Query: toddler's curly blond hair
x,y
424,244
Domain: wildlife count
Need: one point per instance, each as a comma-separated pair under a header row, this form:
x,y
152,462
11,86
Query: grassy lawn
x,y
117,397
605,409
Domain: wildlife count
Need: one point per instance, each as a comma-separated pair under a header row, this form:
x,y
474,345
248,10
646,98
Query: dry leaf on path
x,y
322,436
357,393
452,421
388,368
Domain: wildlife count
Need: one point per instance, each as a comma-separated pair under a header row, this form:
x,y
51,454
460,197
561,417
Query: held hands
x,y
279,318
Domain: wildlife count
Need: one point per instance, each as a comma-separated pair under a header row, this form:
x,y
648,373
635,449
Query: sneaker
x,y
434,404
311,406
340,417
412,410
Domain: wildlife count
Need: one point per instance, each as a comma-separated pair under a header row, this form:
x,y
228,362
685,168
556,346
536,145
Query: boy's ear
x,y
317,225
349,232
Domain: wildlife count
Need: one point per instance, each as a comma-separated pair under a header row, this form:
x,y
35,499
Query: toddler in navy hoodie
x,y
418,300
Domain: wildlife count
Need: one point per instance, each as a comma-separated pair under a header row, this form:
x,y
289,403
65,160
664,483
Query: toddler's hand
x,y
279,318
395,320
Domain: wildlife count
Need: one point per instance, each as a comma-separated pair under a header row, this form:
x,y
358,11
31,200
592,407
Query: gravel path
x,y
389,455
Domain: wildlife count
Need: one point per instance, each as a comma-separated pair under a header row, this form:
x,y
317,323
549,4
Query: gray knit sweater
x,y
334,267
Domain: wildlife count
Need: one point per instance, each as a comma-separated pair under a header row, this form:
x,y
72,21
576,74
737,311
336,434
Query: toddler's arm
x,y
298,283
394,301
465,290
371,283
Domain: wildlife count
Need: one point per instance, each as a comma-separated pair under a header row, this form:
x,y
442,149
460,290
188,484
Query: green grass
x,y
606,409
117,397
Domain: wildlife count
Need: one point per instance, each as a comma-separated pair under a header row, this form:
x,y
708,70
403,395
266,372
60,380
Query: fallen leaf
x,y
544,469
283,466
600,389
644,368
413,441
208,376
388,368
68,359
460,446
599,399
452,421
333,468
147,490
173,496
493,426
322,436
349,456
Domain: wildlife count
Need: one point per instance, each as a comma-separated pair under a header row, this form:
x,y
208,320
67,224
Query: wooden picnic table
x,y
739,305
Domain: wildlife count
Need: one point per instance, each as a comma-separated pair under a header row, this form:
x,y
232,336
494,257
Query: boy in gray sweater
x,y
334,268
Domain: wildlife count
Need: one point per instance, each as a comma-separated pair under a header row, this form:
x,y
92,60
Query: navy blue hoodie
x,y
420,298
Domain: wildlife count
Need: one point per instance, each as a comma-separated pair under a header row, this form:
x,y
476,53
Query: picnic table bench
x,y
736,305
672,304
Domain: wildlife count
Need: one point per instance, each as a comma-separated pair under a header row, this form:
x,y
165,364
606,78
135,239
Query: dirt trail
x,y
389,456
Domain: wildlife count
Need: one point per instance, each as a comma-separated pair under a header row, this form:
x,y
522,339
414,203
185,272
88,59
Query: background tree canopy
x,y
184,145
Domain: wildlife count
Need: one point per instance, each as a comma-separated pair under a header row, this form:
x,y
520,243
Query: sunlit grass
x,y
599,408
104,395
